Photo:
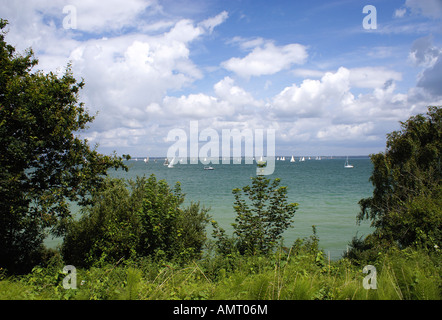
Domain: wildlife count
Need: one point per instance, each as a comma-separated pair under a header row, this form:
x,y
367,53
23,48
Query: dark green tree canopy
x,y
407,197
44,163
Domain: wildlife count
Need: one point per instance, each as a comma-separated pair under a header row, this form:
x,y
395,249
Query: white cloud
x,y
313,97
230,101
125,74
129,77
196,106
347,132
110,15
91,16
327,111
226,90
267,59
424,54
372,77
399,13
143,78
210,23
247,44
362,77
308,73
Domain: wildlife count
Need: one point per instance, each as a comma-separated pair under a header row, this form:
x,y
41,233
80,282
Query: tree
x,y
406,204
262,215
108,228
44,163
133,219
167,230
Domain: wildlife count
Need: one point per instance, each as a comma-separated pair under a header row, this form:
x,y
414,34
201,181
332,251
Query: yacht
x,y
347,165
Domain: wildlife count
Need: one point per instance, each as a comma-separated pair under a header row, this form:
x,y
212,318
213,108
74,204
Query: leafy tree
x,y
44,164
167,231
262,215
108,228
406,204
141,218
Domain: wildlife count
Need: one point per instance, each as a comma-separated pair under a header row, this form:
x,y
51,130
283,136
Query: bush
x,y
262,215
135,219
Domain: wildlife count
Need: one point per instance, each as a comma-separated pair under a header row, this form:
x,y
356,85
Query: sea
x,y
327,193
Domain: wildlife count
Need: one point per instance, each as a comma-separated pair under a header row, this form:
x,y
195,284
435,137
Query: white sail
x,y
347,165
171,163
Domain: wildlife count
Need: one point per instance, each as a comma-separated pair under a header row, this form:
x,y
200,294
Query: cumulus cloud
x,y
424,54
340,132
327,111
125,74
128,79
142,77
226,90
431,78
267,59
230,101
312,97
196,106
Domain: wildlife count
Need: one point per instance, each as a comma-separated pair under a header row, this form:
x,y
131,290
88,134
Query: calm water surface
x,y
327,193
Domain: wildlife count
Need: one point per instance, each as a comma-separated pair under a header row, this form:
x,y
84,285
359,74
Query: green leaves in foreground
x,y
262,215
44,162
142,218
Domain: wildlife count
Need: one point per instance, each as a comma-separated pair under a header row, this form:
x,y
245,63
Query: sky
x,y
328,76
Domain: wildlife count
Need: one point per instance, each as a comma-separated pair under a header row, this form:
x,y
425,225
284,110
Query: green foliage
x,y
141,218
44,164
107,230
410,275
262,215
295,273
167,231
406,204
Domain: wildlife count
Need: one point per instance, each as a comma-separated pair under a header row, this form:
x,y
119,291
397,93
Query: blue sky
x,y
307,69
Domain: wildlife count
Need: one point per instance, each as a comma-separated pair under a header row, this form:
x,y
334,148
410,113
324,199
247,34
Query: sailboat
x,y
166,162
171,163
347,165
146,160
292,159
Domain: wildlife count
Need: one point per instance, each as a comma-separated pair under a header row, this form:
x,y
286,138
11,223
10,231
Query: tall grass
x,y
293,275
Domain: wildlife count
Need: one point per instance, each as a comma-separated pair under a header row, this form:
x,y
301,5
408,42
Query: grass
x,y
294,275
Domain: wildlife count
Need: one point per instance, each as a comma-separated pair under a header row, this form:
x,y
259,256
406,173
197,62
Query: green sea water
x,y
327,193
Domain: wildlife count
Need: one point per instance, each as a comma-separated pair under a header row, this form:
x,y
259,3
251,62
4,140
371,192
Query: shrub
x,y
262,215
136,219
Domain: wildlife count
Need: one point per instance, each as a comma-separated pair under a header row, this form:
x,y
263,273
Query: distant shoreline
x,y
287,157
